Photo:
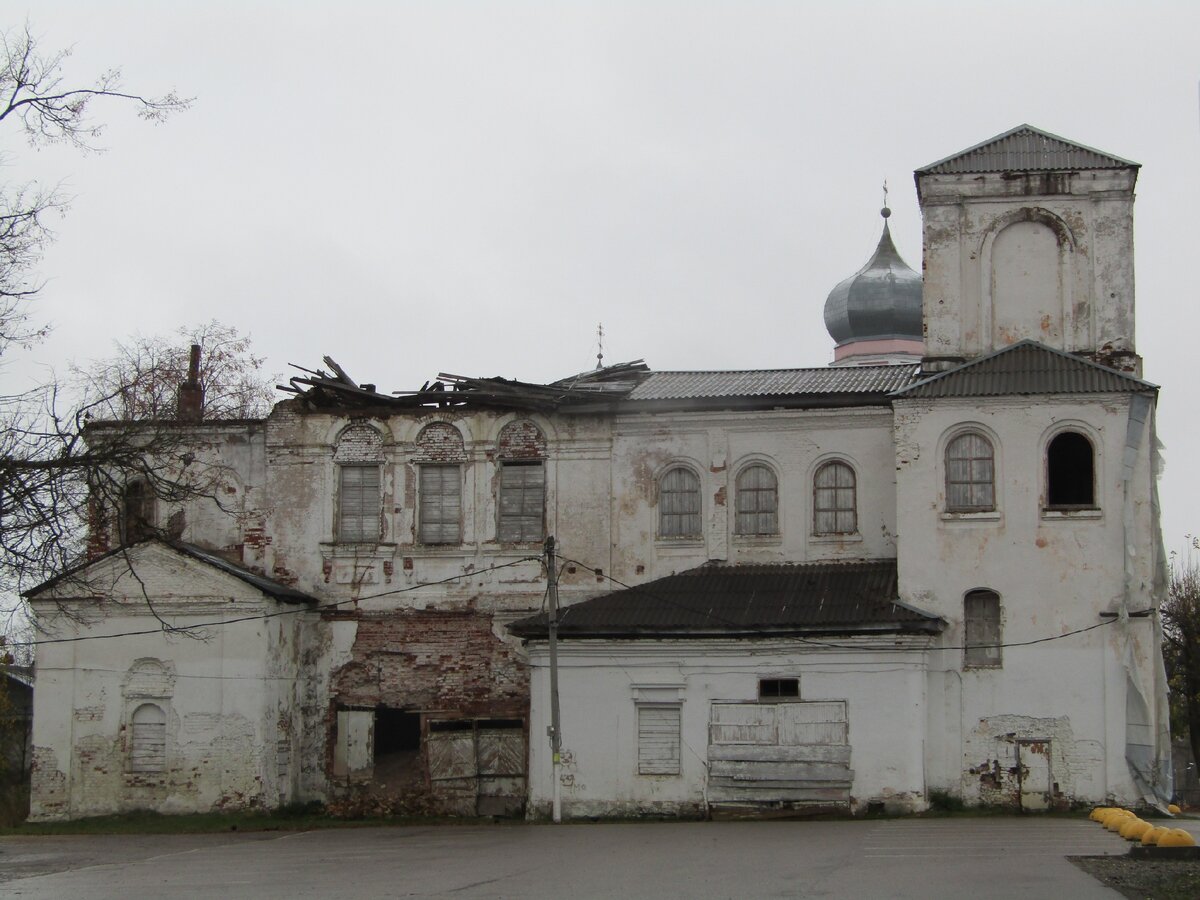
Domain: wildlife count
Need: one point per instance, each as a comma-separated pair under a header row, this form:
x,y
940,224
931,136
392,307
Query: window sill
x,y
351,549
848,538
758,540
991,515
982,667
1090,512
690,543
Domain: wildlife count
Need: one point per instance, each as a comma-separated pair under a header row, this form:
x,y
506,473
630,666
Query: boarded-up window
x,y
148,747
970,474
358,504
137,511
440,505
757,501
1070,471
981,613
835,500
658,739
679,504
522,501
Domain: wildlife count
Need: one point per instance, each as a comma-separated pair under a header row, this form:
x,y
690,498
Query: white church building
x,y
930,568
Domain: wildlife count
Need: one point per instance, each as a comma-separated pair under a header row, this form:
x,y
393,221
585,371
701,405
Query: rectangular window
x,y
778,688
522,501
358,504
658,739
440,505
981,614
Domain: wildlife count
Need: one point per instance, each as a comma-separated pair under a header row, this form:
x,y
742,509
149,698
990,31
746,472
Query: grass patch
x,y
298,817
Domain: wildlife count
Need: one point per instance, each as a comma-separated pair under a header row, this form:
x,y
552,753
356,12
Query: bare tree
x,y
1181,648
35,99
50,476
141,380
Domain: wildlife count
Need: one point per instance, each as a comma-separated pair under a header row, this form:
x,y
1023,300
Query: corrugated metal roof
x,y
825,597
1026,367
266,585
774,382
1025,149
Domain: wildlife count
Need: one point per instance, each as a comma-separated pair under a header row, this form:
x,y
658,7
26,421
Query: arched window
x,y
757,501
835,501
679,504
148,747
1070,472
970,474
359,456
981,617
137,511
521,504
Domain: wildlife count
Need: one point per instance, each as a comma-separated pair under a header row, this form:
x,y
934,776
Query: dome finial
x,y
885,212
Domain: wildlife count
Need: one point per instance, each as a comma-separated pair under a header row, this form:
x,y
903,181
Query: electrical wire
x,y
820,643
271,615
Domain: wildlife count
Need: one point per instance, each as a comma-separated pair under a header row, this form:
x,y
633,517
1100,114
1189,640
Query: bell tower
x,y
1028,236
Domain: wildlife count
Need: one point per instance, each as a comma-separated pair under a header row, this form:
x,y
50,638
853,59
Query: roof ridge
x,y
1023,344
1117,161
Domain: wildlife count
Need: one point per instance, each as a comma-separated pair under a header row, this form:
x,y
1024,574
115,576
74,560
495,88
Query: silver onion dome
x,y
881,301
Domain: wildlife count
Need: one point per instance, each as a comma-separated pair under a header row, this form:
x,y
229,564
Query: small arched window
x,y
757,501
835,500
137,511
970,474
679,504
148,747
1070,472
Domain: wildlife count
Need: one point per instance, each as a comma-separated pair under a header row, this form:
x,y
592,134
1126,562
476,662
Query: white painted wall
x,y
883,685
1054,572
229,695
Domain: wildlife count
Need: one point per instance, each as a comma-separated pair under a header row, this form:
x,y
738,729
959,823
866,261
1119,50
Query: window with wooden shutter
x,y
757,501
835,500
148,745
522,501
658,739
981,614
440,505
970,474
358,504
679,504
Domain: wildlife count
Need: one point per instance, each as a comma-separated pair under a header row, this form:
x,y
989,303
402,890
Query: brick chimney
x,y
191,395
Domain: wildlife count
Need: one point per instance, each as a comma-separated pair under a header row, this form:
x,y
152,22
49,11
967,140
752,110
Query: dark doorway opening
x,y
398,749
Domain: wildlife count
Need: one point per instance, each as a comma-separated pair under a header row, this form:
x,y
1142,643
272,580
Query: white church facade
x,y
931,568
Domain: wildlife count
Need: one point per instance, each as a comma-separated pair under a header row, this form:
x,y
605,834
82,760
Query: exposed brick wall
x,y
360,444
434,660
440,442
522,440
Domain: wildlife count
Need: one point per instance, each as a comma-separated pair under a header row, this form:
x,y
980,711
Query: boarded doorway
x,y
477,766
781,755
1033,774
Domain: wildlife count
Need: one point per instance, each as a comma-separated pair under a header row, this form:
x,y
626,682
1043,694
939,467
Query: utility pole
x,y
555,729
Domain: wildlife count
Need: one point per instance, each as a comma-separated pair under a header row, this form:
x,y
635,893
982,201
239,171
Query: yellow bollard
x,y
1133,829
1173,809
1151,835
1177,837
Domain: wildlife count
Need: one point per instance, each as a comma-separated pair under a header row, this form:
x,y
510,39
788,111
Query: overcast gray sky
x,y
471,187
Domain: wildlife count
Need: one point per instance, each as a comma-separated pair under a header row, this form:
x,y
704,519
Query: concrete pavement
x,y
899,858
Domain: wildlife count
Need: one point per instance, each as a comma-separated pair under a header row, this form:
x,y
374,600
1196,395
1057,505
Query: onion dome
x,y
875,314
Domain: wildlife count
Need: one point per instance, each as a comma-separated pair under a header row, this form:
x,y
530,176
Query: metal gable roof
x,y
721,600
1025,149
1026,367
774,382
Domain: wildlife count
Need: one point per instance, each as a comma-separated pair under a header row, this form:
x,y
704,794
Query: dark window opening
x,y
1070,472
137,512
775,688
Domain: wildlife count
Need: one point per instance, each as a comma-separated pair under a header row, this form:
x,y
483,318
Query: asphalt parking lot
x,y
959,857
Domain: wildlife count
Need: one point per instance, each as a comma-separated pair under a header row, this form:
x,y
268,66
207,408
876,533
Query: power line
x,y
271,615
829,644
